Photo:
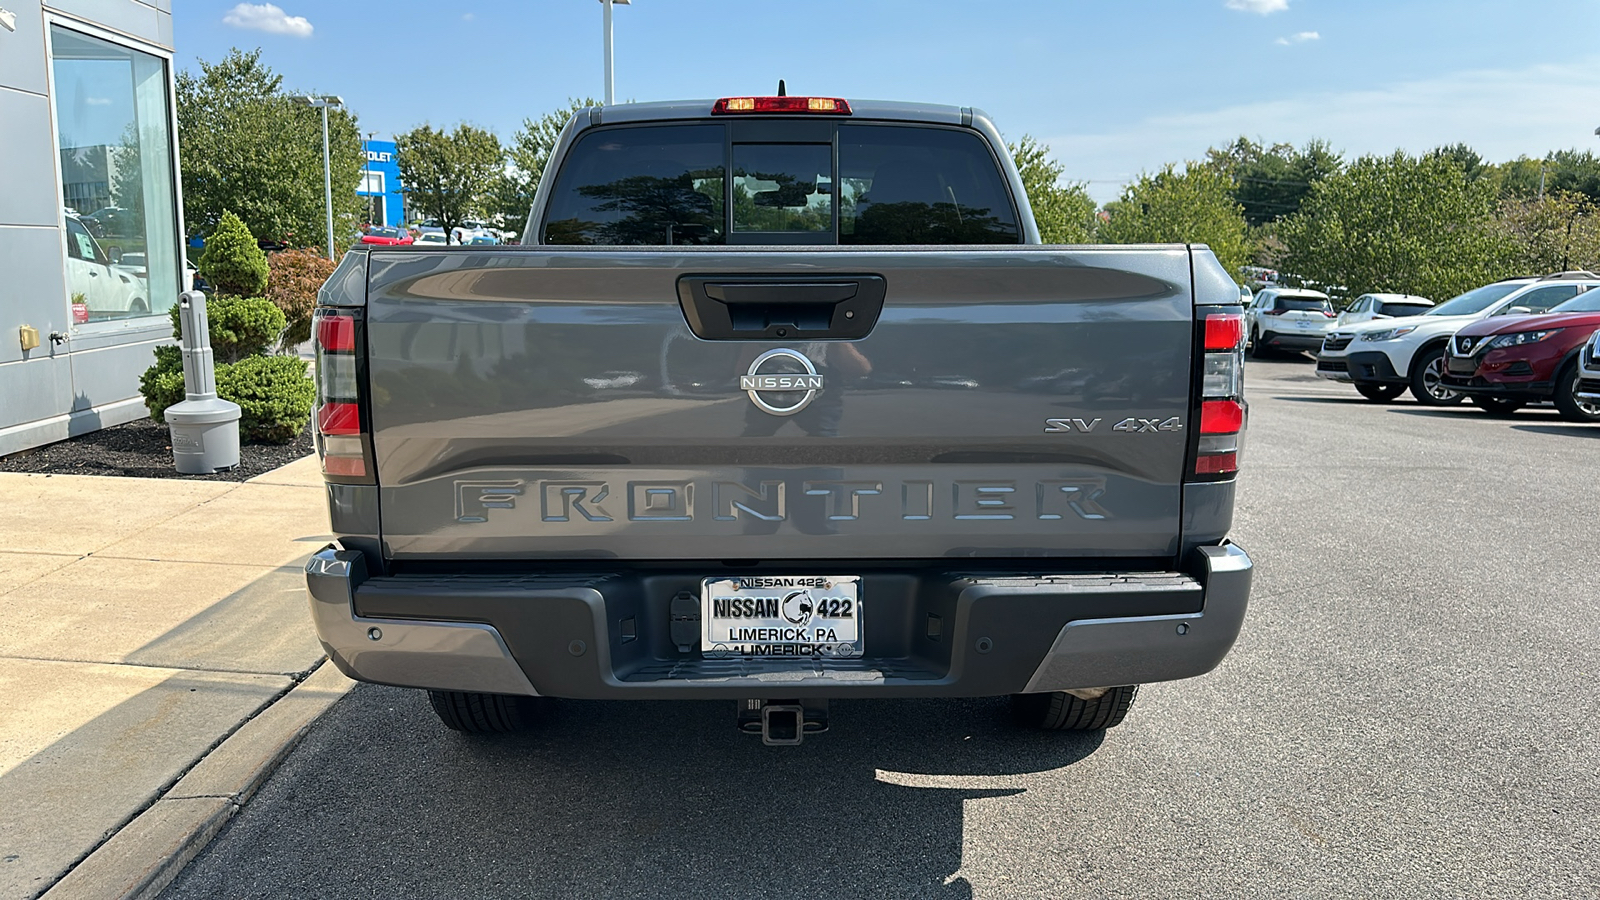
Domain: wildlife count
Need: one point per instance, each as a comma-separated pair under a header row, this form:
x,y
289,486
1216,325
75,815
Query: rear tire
x,y
1258,350
1380,393
1572,409
471,713
1427,372
1061,711
1495,406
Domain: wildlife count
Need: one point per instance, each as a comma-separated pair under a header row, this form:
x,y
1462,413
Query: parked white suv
x,y
1382,306
1384,358
1287,319
1589,370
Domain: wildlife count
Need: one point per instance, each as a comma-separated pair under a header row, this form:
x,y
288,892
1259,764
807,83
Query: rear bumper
x,y
927,633
1292,341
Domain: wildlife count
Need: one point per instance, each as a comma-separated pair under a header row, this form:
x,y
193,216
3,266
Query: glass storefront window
x,y
114,134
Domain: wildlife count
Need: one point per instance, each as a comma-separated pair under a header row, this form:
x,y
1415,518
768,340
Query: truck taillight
x,y
1221,407
342,440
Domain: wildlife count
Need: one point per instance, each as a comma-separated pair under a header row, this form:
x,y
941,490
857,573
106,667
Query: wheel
x,y
484,713
1566,397
1427,380
1061,711
1380,393
1258,350
1495,406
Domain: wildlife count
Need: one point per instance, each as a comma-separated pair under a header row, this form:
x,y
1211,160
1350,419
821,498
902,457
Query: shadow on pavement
x,y
1356,400
625,799
1572,430
1444,412
1468,411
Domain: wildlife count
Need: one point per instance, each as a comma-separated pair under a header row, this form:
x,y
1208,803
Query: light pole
x,y
327,173
611,93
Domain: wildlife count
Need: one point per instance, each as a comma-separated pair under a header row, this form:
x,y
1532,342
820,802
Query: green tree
x,y
245,147
1272,182
1399,223
1568,171
1472,164
1063,212
511,194
1554,233
448,175
1193,206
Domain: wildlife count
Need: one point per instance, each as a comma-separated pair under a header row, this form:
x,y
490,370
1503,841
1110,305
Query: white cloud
x,y
98,101
467,17
1299,37
1502,114
1260,7
267,17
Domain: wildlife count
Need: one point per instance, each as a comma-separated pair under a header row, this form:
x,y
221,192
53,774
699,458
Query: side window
x,y
913,185
1539,299
79,244
654,185
1361,305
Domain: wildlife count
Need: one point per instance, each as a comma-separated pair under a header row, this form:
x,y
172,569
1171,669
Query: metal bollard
x,y
205,428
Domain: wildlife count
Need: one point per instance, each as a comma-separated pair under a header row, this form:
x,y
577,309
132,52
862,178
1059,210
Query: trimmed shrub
x,y
232,261
274,397
240,326
273,392
296,276
162,383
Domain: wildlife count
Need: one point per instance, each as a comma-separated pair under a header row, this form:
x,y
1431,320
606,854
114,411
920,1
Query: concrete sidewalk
x,y
145,625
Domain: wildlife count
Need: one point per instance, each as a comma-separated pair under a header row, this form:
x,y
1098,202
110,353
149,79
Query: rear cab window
x,y
780,181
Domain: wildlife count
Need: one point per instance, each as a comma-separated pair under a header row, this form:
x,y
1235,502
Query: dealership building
x,y
90,219
380,185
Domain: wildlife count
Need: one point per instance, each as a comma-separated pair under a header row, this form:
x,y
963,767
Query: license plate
x,y
1304,326
809,616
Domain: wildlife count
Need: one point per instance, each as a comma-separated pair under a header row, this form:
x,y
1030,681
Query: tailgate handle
x,y
782,292
781,306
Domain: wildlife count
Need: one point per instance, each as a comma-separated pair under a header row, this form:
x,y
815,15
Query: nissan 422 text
x,y
780,400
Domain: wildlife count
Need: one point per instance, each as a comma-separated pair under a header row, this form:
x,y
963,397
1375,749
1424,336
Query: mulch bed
x,y
143,449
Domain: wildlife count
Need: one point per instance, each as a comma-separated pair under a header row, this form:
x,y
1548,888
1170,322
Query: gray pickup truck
x,y
780,400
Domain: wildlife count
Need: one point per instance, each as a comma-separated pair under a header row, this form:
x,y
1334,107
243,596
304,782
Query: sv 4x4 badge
x,y
1131,425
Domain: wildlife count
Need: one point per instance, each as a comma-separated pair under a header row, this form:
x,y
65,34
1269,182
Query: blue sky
x,y
1115,87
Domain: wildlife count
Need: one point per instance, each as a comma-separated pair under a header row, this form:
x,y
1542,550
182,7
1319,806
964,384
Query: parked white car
x,y
1384,358
1287,319
426,238
105,287
1368,307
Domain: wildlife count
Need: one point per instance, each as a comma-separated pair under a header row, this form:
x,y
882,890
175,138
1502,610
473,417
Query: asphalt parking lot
x,y
1411,711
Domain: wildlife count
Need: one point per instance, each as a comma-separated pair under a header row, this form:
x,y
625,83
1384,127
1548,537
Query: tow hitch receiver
x,y
783,723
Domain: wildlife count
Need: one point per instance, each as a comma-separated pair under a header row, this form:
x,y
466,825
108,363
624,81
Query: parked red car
x,y
1503,363
386,236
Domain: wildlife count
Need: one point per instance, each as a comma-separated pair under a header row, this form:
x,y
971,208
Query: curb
x,y
145,855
